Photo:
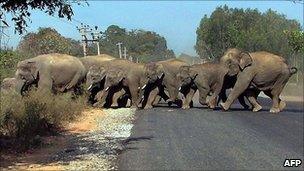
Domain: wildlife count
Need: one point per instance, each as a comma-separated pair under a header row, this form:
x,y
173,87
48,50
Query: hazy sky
x,y
177,21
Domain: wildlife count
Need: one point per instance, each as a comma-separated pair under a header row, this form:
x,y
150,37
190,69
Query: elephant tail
x,y
293,70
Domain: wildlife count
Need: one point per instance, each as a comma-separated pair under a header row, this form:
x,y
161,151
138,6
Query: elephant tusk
x,y
143,87
89,88
107,89
180,88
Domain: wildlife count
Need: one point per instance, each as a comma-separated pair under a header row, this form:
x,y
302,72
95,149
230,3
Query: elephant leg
x,y
134,95
241,99
278,105
240,86
173,93
252,98
116,96
203,92
157,99
74,81
188,99
45,84
151,98
101,97
213,98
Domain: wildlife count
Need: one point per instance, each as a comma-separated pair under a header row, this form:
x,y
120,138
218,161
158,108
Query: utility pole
x,y
119,49
83,30
125,52
95,36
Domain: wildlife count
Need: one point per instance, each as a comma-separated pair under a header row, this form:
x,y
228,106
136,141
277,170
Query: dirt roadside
x,y
94,139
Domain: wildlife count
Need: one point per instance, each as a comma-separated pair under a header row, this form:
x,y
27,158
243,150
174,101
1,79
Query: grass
x,y
23,120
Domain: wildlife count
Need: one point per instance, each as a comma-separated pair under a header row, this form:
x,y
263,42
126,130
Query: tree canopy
x,y
20,10
146,45
247,29
48,40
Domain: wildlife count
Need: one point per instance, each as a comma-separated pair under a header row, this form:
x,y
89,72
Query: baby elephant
x,y
207,78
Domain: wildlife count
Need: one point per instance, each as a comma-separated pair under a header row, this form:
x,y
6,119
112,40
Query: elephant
x,y
95,62
152,94
130,78
95,81
261,70
118,81
12,85
52,72
207,78
122,74
165,71
116,91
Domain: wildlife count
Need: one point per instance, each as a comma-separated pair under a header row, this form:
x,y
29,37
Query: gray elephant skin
x,y
207,78
52,72
127,74
92,66
166,71
12,85
261,70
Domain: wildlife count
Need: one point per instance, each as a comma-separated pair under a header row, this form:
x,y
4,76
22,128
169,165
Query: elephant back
x,y
172,65
98,60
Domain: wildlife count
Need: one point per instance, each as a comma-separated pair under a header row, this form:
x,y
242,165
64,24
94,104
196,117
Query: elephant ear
x,y
32,66
192,73
102,72
160,70
121,75
245,60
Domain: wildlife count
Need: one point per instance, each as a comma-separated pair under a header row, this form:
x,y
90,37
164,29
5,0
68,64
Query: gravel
x,y
99,148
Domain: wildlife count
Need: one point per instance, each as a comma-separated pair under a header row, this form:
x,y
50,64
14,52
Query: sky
x,y
177,21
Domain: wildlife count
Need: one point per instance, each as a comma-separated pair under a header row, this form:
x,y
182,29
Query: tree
x,y
146,45
8,62
20,10
48,40
296,40
246,29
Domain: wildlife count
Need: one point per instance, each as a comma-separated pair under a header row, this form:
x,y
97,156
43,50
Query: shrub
x,y
22,119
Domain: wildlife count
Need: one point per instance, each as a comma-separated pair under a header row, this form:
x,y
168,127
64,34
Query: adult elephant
x,y
207,78
52,72
262,71
94,64
125,73
166,71
12,85
96,77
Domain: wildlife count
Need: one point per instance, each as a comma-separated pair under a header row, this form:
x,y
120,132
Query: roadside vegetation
x,y
23,120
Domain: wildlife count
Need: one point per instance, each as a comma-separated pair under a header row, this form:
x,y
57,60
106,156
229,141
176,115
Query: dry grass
x,y
25,119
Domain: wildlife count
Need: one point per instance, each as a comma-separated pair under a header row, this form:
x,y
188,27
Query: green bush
x,y
8,63
22,119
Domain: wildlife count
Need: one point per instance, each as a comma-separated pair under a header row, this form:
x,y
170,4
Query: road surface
x,y
174,139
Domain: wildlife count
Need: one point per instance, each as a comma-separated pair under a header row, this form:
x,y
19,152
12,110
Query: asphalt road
x,y
174,139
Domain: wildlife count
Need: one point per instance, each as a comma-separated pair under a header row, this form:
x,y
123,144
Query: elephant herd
x,y
111,82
